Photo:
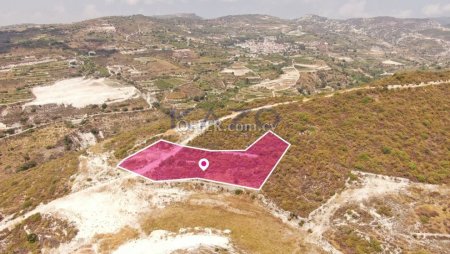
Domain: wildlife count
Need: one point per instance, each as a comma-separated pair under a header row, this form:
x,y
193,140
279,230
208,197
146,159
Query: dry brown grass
x,y
253,229
25,190
110,242
40,146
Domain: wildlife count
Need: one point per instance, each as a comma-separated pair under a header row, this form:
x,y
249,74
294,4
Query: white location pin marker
x,y
203,164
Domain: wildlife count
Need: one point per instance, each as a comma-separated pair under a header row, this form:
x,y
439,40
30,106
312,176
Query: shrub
x,y
384,210
26,204
27,165
32,238
67,142
386,150
352,177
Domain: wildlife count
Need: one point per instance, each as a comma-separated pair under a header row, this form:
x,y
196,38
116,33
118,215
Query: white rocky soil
x,y
103,200
162,242
287,80
390,62
432,83
319,221
85,140
237,71
81,92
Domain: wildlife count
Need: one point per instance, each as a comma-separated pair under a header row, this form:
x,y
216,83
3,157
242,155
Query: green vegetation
x,y
32,238
27,165
351,242
413,77
90,67
399,133
42,232
123,143
168,83
267,70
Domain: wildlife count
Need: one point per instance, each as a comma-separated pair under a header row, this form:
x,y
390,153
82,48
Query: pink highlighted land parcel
x,y
250,168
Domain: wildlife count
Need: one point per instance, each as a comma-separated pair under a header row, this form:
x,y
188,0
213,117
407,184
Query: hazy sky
x,y
58,11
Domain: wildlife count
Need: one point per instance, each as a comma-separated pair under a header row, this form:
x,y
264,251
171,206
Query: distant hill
x,y
443,20
179,15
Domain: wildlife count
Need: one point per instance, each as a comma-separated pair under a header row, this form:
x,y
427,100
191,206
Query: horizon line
x,y
179,15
